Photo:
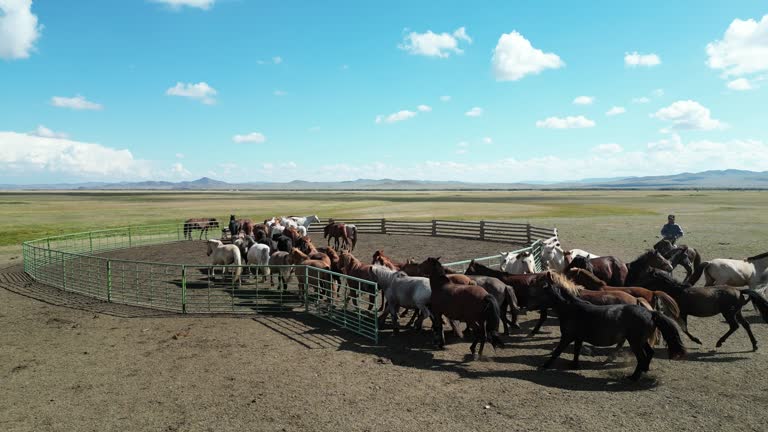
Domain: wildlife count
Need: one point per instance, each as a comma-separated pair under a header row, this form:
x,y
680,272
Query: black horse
x,y
683,255
581,322
708,301
284,243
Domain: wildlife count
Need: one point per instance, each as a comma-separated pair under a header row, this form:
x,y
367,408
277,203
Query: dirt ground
x,y
72,363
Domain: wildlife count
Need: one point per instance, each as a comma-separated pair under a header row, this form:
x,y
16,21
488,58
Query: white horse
x,y
399,289
258,255
287,222
306,221
752,271
276,229
519,263
553,257
280,263
302,230
225,255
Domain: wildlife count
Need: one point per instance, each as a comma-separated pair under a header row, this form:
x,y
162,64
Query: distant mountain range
x,y
724,179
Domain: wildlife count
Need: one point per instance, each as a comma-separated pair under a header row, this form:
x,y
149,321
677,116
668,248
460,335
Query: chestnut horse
x,y
246,226
336,231
202,224
322,280
468,303
352,266
659,299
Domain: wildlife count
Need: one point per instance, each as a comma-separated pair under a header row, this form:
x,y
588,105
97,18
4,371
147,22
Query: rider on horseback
x,y
671,231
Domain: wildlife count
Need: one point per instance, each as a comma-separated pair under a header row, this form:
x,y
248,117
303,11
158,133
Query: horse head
x,y
656,259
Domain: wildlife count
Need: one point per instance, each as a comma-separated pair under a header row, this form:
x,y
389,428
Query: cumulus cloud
x,y
569,122
177,169
688,115
395,117
200,91
424,108
635,59
430,44
44,132
19,29
253,137
28,153
474,112
584,100
178,4
514,57
743,49
740,84
615,111
76,103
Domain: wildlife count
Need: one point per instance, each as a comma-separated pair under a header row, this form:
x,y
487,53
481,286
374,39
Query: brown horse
x,y
202,224
659,299
380,258
336,231
411,268
614,272
261,228
352,266
468,303
246,226
310,277
292,233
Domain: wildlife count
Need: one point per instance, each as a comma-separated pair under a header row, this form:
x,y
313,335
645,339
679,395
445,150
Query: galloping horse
x,y
614,272
752,271
468,303
399,290
709,301
202,224
683,255
606,325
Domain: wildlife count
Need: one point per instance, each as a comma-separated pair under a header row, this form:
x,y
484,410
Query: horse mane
x,y
566,284
757,257
591,278
300,254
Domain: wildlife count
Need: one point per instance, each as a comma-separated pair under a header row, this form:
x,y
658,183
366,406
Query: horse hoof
x,y
754,348
718,344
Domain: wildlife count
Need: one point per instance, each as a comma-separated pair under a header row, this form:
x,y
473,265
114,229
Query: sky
x,y
506,91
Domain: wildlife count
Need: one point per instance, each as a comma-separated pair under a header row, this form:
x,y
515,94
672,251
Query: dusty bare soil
x,y
72,363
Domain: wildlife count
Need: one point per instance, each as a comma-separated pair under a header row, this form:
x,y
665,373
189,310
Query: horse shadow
x,y
716,357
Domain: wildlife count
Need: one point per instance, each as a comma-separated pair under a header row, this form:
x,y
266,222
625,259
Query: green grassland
x,y
723,223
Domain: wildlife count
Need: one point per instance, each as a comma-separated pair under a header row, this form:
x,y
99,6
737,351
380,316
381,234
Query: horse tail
x,y
668,302
354,236
759,301
492,317
511,298
698,270
671,335
238,261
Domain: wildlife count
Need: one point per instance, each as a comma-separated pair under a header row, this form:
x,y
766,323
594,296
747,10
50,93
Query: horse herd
x,y
600,300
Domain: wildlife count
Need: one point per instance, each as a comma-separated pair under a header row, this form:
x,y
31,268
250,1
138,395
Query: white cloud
x,y
514,57
634,59
179,155
743,49
396,117
584,100
740,84
277,60
607,148
77,103
641,100
424,108
569,122
488,140
615,111
431,44
200,91
688,115
18,29
657,93
462,144
279,93
178,4
178,169
44,132
474,112
445,98
27,153
253,137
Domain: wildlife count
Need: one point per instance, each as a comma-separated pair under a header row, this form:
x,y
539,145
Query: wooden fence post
x,y
383,226
434,227
482,230
528,232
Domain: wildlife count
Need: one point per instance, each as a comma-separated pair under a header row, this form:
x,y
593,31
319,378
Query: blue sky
x,y
276,91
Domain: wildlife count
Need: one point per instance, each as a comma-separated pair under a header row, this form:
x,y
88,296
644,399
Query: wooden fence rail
x,y
501,231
